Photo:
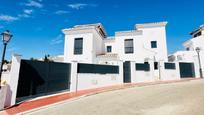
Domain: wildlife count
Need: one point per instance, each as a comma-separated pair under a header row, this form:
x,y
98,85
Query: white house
x,y
91,44
190,54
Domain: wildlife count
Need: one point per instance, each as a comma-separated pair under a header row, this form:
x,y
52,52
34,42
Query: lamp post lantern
x,y
6,36
199,62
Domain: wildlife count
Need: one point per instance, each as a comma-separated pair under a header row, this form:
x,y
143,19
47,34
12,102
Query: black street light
x,y
200,68
6,36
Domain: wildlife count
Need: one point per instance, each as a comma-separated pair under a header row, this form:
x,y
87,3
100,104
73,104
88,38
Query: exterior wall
x,y
202,32
5,76
12,81
191,56
3,92
154,75
194,42
169,74
198,42
142,45
81,81
87,81
139,53
86,56
94,44
98,46
155,34
110,43
142,76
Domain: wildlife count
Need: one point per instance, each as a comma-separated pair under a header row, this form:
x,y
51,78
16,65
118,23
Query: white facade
x,y
82,81
95,42
190,54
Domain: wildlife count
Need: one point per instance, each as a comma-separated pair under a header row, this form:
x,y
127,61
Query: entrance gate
x,y
38,78
126,72
186,70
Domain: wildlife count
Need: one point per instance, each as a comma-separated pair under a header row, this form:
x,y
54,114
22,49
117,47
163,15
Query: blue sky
x,y
37,24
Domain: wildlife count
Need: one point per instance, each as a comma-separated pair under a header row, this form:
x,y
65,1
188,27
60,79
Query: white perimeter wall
x,y
141,76
154,75
191,57
169,74
81,81
87,81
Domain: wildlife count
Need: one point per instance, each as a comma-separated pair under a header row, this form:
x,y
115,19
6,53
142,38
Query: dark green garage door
x,y
186,70
38,78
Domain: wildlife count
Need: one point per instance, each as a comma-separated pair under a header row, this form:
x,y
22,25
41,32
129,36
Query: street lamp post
x,y
200,68
6,36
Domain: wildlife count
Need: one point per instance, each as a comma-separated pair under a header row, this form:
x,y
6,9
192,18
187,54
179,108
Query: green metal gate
x,y
187,70
39,78
126,72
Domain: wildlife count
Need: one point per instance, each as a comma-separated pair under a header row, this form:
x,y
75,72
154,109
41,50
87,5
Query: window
x,y
109,49
142,67
78,46
187,49
197,34
153,44
169,65
156,65
129,46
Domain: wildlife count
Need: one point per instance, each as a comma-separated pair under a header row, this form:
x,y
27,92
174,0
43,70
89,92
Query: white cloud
x,y
28,11
60,12
57,40
23,16
8,18
33,3
77,6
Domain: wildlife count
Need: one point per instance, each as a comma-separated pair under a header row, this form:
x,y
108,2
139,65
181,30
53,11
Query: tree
x,y
47,59
33,59
5,62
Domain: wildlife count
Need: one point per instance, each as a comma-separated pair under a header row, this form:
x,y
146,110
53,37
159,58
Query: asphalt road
x,y
184,98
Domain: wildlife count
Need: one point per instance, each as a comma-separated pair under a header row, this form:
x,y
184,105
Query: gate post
x,y
178,77
13,80
120,64
161,70
74,78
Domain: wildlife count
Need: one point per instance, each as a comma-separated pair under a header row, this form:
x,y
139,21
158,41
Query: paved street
x,y
184,98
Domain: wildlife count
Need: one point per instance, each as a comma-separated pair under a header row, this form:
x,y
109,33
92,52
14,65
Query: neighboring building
x,y
91,44
190,54
57,58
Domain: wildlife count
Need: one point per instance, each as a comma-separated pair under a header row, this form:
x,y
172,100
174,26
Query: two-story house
x,y
90,44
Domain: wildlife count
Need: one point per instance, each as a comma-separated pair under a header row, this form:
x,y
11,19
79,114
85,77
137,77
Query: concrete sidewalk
x,y
40,102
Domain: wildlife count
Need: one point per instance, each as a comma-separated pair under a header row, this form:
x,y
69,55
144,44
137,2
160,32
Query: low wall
x,y
5,76
81,78
152,74
142,75
3,92
87,81
169,74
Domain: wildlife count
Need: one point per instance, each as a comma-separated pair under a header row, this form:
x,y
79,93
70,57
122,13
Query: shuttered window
x,y
78,46
129,46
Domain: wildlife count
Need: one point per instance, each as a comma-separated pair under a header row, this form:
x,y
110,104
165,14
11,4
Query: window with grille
x,y
78,46
129,46
109,49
